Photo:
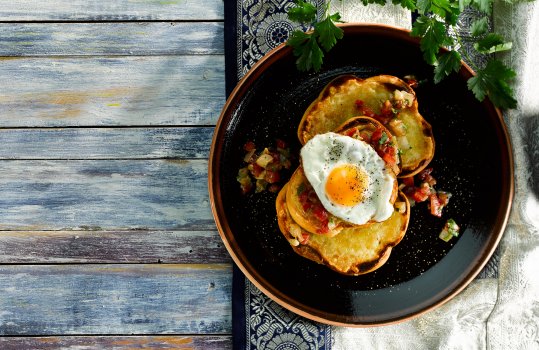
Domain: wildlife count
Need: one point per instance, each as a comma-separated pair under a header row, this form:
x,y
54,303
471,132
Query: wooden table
x,y
107,111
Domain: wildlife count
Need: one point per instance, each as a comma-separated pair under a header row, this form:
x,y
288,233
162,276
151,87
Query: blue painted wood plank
x,y
138,246
111,91
124,38
106,143
115,299
105,195
118,10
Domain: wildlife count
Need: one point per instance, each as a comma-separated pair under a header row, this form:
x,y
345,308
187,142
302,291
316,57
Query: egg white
x,y
324,152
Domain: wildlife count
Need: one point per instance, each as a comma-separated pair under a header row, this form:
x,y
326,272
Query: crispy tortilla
x,y
338,102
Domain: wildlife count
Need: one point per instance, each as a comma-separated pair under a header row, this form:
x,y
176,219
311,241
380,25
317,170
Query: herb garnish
x,y
437,19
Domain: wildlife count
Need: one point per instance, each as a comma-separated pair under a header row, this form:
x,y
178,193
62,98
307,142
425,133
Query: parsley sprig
x,y
436,28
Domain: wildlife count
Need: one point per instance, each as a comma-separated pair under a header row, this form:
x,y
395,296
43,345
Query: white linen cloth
x,y
491,313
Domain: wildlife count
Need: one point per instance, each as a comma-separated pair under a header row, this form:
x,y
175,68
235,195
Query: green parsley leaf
x,y
433,36
423,6
303,12
484,6
491,43
493,80
444,8
383,139
448,61
463,4
479,27
408,4
328,32
379,2
306,49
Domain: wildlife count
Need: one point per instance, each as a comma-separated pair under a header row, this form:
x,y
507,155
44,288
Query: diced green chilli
x,y
450,230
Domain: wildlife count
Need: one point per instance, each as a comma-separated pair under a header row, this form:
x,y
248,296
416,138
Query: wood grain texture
x,y
115,299
105,195
200,342
106,143
118,10
90,91
125,38
179,247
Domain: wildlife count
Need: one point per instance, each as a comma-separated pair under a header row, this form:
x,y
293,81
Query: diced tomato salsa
x,y
263,168
437,200
313,207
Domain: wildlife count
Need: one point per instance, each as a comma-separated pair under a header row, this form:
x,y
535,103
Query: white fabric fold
x,y
501,313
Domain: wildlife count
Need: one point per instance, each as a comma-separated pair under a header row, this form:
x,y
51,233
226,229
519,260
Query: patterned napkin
x,y
501,307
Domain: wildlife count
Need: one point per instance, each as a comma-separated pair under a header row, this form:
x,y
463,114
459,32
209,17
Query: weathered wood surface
x,y
112,91
106,143
105,195
118,10
102,234
179,247
111,38
118,343
115,299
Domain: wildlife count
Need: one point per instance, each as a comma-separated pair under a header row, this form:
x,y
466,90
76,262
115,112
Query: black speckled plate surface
x,y
473,161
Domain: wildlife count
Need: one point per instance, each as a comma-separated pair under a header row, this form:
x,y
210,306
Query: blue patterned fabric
x,y
252,28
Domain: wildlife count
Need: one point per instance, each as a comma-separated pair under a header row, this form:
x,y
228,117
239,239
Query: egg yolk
x,y
346,184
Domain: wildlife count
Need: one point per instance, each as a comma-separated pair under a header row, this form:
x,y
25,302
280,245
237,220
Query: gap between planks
x,y
120,342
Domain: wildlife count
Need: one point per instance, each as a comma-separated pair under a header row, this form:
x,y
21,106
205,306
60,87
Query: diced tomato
x,y
389,158
351,132
303,196
376,136
320,213
305,238
419,196
422,193
423,174
408,181
365,136
364,110
386,113
272,176
323,229
426,177
249,146
274,188
368,112
281,144
435,207
443,197
246,187
411,81
257,170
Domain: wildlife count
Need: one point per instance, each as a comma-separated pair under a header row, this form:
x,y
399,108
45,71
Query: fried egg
x,y
349,177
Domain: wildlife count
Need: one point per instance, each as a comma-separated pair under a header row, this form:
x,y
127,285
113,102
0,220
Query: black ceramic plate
x,y
472,161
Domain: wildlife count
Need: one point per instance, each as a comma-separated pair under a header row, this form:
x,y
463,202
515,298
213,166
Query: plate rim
x,y
500,223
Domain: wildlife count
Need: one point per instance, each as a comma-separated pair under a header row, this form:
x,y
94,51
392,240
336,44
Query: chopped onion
x,y
264,159
248,156
295,231
293,242
398,127
403,143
